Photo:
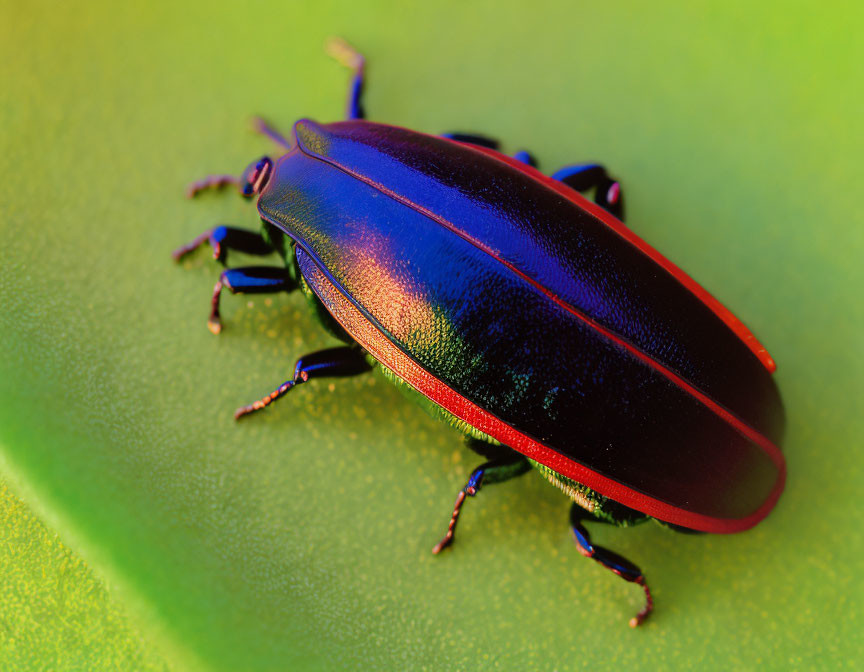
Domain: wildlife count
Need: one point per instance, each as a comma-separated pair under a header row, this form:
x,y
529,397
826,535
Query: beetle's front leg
x,y
610,560
211,182
224,238
248,280
330,363
509,464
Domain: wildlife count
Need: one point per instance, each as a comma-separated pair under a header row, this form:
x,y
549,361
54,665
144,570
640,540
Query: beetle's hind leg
x,y
489,143
473,139
331,363
610,560
607,190
504,463
353,59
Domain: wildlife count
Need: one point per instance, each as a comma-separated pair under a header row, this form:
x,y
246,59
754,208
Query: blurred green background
x,y
145,530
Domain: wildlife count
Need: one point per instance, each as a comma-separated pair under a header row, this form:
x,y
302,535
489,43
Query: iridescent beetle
x,y
525,315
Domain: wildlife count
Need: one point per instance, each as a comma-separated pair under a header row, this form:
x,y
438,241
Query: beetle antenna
x,y
211,182
263,127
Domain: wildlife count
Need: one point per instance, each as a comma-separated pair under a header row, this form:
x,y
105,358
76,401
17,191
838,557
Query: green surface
x,y
56,614
300,539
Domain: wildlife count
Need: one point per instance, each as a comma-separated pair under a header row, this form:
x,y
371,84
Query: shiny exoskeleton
x,y
522,313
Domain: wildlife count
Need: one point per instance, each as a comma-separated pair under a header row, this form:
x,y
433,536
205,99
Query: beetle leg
x,y
526,157
211,182
472,139
353,59
248,280
494,471
489,143
330,363
224,238
608,194
610,560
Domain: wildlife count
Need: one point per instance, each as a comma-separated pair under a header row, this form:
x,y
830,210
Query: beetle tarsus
x,y
353,59
639,618
214,322
269,399
609,559
211,182
344,53
197,242
506,465
330,363
447,539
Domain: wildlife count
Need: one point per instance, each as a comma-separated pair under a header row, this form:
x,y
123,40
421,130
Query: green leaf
x,y
300,539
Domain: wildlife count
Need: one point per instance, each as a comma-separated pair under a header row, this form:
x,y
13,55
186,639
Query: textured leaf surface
x,y
57,614
300,539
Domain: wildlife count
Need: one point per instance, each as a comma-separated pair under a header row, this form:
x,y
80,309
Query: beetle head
x,y
255,177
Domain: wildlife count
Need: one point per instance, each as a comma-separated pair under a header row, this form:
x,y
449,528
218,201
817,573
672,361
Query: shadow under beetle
x,y
527,316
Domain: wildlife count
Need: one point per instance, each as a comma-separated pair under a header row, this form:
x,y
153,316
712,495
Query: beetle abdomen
x,y
478,325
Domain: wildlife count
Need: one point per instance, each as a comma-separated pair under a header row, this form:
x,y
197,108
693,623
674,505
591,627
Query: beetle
x,y
524,314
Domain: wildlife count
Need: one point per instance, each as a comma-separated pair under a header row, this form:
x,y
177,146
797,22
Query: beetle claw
x,y
639,618
444,543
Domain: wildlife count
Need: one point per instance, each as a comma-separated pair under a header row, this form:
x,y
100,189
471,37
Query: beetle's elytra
x,y
524,314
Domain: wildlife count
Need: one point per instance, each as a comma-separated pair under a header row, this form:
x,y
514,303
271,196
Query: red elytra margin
x,y
380,347
721,311
740,426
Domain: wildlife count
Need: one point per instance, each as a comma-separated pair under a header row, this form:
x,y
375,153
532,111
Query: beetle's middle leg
x,y
248,280
504,463
330,363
